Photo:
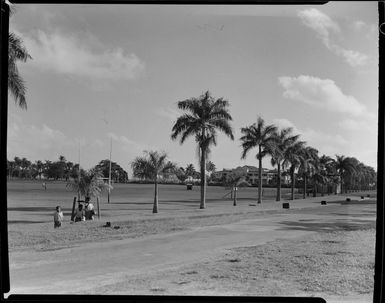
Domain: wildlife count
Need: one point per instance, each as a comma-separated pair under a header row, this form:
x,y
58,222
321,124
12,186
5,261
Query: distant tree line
x,y
62,169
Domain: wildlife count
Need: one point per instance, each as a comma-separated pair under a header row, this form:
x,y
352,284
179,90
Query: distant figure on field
x,y
80,215
44,185
58,217
89,209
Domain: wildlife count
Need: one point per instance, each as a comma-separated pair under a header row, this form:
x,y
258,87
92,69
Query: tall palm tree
x,y
344,167
90,184
16,84
308,158
152,166
283,139
326,165
203,117
258,135
292,158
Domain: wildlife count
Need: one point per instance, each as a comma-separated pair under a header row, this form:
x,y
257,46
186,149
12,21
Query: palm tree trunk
x,y
235,196
259,176
292,182
315,189
278,182
203,179
304,186
155,208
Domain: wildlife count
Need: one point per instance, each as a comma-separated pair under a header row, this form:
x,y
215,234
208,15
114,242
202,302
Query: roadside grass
x,y
326,264
42,236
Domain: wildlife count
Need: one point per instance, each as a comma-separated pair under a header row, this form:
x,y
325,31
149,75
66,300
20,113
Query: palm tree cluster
x,y
205,116
55,170
288,152
61,169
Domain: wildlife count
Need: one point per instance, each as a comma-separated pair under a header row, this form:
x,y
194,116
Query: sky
x,y
114,73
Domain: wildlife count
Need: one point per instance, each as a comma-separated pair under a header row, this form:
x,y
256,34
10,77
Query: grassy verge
x,y
42,236
328,264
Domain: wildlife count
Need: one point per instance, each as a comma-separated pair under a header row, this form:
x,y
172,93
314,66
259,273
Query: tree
x,y
235,180
344,167
210,167
261,136
118,174
282,140
151,167
327,170
181,174
293,158
203,117
16,84
90,184
190,171
306,168
40,168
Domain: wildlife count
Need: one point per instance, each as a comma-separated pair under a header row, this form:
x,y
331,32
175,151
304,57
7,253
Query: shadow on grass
x,y
33,209
24,222
368,214
328,226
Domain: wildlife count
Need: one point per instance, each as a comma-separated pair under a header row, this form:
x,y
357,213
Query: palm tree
x,y
16,85
190,170
327,171
293,158
282,141
308,158
344,167
236,179
152,166
261,136
203,118
39,167
90,184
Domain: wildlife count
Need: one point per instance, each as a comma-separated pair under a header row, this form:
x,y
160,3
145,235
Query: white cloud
x,y
329,144
128,145
322,93
79,56
323,25
318,21
353,58
36,142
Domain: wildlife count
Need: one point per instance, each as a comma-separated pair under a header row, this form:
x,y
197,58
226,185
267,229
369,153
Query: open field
x,y
307,250
28,202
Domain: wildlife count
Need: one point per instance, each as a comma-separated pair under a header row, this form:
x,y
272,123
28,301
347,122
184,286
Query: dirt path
x,y
76,269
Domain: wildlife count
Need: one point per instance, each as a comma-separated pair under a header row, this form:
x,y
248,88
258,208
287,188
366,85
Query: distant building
x,y
252,172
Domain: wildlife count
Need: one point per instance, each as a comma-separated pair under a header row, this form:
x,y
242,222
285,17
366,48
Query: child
x,y
89,209
57,217
80,215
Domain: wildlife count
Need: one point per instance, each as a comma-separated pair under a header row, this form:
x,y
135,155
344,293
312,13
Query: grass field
x,y
28,202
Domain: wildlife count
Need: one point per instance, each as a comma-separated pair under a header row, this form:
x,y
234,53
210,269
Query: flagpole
x,y
79,173
109,175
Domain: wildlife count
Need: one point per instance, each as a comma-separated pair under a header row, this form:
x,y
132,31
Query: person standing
x,y
58,217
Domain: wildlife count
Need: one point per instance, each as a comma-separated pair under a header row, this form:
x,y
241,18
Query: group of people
x,y
82,213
